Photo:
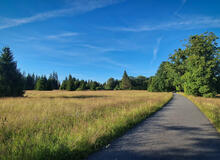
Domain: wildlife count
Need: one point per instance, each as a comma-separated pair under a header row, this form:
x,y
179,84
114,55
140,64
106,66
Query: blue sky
x,y
98,39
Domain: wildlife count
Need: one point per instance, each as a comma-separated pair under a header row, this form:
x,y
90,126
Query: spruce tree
x,y
29,82
126,82
70,84
11,81
53,82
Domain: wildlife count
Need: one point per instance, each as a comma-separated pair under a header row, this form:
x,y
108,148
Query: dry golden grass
x,y
210,107
70,125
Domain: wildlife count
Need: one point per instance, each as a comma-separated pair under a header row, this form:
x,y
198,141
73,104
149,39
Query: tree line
x,y
194,70
34,82
70,83
13,83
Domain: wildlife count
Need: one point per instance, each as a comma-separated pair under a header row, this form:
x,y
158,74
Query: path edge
x,y
203,113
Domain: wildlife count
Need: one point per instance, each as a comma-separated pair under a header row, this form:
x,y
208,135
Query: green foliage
x,y
199,78
202,66
11,80
153,87
194,70
73,84
178,68
139,83
41,84
163,81
82,85
64,84
126,82
30,81
111,84
53,82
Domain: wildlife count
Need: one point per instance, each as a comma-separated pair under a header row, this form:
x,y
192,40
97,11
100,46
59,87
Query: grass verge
x,y
70,125
209,106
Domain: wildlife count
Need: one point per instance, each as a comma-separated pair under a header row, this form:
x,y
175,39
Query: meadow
x,y
210,107
70,125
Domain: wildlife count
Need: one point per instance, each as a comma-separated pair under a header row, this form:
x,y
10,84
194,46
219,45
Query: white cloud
x,y
77,7
112,62
100,49
62,35
156,49
192,23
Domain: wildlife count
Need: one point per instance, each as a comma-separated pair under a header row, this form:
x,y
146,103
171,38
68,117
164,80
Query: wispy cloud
x,y
176,13
84,58
112,62
62,35
192,23
77,7
100,49
156,49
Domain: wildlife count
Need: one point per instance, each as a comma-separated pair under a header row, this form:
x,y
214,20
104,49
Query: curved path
x,y
177,132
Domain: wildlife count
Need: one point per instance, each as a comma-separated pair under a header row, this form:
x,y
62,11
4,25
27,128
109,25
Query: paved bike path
x,y
179,131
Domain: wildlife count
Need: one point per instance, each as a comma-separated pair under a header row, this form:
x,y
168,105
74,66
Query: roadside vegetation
x,y
210,107
70,125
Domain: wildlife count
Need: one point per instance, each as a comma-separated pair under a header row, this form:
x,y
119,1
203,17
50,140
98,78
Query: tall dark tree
x,y
70,84
126,82
53,82
30,82
11,81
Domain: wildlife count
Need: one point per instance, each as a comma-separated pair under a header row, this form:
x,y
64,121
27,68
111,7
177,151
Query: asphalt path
x,y
179,131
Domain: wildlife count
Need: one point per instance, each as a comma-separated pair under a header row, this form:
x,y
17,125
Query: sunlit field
x,y
210,107
70,125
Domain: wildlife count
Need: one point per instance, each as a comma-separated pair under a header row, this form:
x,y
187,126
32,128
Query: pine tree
x,y
29,82
53,82
11,81
70,84
126,82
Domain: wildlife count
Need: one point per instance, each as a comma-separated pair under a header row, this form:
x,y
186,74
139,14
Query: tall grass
x,y
70,125
210,107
